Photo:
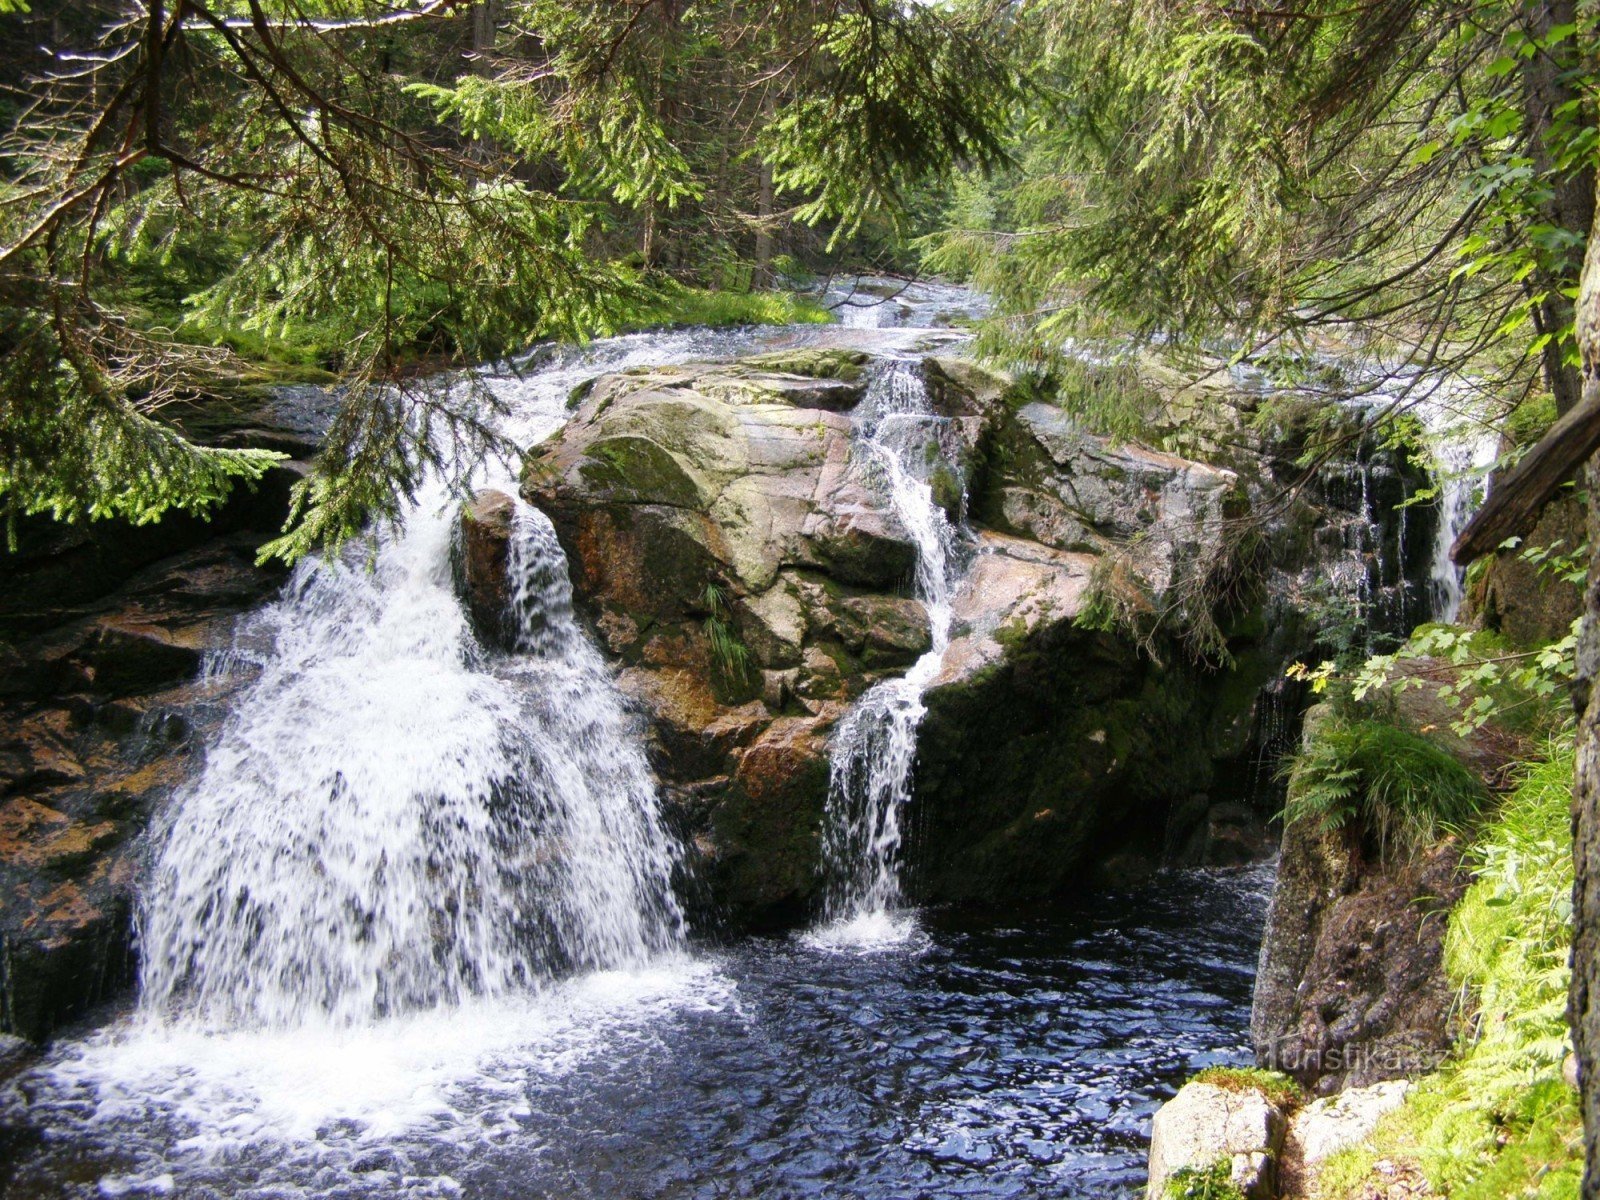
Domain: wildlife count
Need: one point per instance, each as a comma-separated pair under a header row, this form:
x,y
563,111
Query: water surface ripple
x,y
1021,1059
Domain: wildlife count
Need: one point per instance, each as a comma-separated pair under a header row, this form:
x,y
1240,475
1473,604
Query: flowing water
x,y
978,1059
411,931
875,746
1464,449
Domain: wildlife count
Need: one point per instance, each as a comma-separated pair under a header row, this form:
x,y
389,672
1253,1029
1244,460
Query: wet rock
x,y
704,503
1013,590
482,551
1351,988
701,502
1204,1125
103,630
1220,835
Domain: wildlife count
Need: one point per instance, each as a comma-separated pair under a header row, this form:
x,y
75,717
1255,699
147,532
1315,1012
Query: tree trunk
x,y
1547,84
647,236
763,271
1584,1005
485,16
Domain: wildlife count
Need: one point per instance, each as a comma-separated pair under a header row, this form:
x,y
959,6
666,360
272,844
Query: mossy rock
x,y
846,365
637,470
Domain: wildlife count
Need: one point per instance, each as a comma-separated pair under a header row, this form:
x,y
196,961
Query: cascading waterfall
x,y
1464,450
394,818
876,743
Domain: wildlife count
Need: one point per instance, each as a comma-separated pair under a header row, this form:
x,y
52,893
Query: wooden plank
x,y
1521,493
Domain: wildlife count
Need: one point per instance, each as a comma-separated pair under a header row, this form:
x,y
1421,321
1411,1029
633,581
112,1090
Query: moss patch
x,y
1279,1089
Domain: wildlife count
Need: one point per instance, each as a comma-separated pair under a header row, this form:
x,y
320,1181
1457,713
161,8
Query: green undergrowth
x,y
1398,785
1212,1182
1498,1119
311,347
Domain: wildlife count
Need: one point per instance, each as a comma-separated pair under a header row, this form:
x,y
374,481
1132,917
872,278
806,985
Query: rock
x,y
728,494
1218,835
1514,597
1351,989
481,554
102,632
1055,484
1205,1124
1013,590
1334,1123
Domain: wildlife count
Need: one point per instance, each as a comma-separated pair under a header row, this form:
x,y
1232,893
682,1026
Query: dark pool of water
x,y
1014,1059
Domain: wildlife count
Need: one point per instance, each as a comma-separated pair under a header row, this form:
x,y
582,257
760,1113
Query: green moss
x,y
1278,1088
1012,635
1345,1172
813,364
639,470
947,488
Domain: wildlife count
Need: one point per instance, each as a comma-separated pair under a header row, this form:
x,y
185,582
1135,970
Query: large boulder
x,y
1046,740
744,566
1236,1131
741,558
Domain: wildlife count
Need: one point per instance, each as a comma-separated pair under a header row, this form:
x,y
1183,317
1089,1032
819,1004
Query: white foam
x,y
456,1074
875,747
873,931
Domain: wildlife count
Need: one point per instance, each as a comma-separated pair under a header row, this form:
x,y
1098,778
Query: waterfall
x,y
875,745
395,819
1464,451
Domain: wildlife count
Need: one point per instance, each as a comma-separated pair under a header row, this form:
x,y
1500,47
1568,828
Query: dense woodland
x,y
204,195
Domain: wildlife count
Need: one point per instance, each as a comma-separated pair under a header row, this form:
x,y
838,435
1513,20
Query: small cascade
x,y
1464,451
876,743
394,819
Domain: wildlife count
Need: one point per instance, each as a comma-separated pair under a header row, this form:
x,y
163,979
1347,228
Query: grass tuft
x,y
1398,785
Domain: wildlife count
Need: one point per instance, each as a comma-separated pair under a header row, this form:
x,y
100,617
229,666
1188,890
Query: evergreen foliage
x,y
1412,179
416,185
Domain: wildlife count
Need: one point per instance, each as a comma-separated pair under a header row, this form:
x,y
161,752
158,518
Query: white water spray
x,y
875,747
1464,451
394,819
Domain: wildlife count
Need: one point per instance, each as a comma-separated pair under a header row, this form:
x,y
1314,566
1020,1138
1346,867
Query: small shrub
x,y
1213,1182
1398,785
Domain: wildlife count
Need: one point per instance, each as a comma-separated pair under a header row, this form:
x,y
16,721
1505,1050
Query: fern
x,y
1393,783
